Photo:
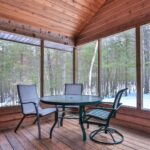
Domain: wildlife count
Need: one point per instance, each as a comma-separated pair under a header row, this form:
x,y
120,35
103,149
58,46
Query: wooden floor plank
x,y
58,144
64,138
73,136
130,144
4,144
76,126
68,137
34,140
24,141
45,140
10,135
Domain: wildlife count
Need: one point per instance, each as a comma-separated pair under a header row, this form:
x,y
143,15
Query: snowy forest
x,y
19,63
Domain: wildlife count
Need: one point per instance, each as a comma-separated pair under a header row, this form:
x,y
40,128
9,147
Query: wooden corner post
x,y
42,69
138,69
75,65
99,67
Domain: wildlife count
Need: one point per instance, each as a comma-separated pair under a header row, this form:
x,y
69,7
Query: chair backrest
x,y
116,105
73,89
27,93
118,96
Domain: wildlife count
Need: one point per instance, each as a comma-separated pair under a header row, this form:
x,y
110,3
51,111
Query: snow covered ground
x,y
130,100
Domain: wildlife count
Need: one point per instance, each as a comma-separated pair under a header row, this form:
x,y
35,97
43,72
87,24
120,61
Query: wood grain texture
x,y
69,137
42,69
139,69
20,28
65,17
115,17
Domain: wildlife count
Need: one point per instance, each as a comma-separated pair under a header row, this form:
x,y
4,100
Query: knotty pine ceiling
x,y
65,17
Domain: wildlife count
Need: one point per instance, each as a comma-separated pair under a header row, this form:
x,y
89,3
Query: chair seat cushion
x,y
98,113
46,111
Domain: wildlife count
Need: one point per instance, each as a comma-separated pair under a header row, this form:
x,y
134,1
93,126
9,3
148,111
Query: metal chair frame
x,y
36,113
103,123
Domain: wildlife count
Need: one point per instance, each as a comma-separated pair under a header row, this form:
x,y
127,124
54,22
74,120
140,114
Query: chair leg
x,y
87,125
56,119
63,114
35,121
19,123
58,123
38,124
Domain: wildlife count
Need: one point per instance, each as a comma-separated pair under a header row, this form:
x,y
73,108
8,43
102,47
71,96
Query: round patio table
x,y
77,100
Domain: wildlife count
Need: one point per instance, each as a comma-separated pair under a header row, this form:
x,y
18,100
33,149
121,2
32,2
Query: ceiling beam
x,y
27,30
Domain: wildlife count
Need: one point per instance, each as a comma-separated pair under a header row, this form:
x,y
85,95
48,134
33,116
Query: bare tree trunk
x,y
126,68
21,70
63,70
50,71
146,48
1,80
107,77
91,67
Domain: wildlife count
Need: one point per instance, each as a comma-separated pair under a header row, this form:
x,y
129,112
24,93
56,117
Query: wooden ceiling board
x,y
26,17
115,17
85,5
72,7
42,13
65,17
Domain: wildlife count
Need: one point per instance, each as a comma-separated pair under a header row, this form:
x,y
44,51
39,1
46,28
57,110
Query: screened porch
x,y
103,45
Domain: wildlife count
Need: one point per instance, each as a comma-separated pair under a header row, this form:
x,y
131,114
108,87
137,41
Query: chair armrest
x,y
29,103
103,108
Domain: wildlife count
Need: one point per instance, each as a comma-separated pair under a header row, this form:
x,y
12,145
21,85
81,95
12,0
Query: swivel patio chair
x,y
30,106
71,89
101,116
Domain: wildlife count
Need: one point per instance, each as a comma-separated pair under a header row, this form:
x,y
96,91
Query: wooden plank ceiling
x,y
62,17
117,16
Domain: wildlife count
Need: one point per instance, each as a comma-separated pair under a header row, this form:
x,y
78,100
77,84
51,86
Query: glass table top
x,y
71,99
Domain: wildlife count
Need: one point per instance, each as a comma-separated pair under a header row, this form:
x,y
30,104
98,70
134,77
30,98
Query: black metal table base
x,y
56,120
81,117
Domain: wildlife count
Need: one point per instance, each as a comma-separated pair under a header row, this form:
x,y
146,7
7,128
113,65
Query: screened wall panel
x,y
58,71
19,64
87,60
145,43
118,68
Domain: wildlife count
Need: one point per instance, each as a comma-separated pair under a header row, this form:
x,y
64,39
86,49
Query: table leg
x,y
81,111
56,120
62,117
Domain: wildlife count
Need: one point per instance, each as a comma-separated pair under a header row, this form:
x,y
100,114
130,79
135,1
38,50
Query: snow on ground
x,y
130,100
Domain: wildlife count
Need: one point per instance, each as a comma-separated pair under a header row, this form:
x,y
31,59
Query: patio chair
x,y
71,89
30,106
101,116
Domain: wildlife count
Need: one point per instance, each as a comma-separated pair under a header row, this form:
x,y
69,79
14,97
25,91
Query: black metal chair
x,y
71,89
30,106
101,116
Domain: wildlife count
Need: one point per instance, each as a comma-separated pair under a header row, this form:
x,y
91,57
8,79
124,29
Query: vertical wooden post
x,y
42,69
138,68
74,65
99,67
